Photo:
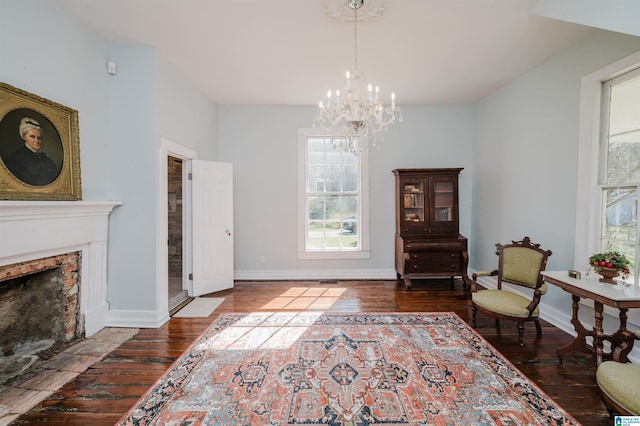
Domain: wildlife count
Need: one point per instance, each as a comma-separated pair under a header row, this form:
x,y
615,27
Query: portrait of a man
x,y
30,147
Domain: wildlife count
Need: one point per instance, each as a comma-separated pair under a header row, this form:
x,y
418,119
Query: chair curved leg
x,y
538,328
521,333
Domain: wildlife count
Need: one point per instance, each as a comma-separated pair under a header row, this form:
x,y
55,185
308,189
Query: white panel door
x,y
212,227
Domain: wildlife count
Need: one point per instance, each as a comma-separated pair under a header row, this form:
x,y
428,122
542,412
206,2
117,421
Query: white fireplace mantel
x,y
37,229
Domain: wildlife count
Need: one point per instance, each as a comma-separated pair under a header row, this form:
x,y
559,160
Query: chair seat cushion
x,y
621,383
503,302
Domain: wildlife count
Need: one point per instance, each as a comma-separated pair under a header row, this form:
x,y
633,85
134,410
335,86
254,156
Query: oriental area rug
x,y
337,369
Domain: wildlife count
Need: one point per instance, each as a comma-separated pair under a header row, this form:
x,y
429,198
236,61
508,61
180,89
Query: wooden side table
x,y
617,296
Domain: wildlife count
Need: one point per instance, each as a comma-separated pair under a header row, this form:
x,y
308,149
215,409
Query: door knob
x,y
228,232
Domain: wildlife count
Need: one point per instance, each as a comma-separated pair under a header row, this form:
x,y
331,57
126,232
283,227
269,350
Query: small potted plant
x,y
610,264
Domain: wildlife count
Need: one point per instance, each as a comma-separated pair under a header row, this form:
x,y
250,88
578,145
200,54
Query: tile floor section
x,y
27,391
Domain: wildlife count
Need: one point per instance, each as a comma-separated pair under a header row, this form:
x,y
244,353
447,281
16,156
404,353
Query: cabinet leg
x,y
407,283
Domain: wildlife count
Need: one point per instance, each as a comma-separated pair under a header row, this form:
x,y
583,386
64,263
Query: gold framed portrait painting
x,y
39,148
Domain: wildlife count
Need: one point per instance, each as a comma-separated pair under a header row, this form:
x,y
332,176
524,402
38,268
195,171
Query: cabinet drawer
x,y
415,229
440,247
435,258
420,268
434,262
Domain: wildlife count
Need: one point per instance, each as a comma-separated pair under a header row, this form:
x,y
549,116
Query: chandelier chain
x,y
355,37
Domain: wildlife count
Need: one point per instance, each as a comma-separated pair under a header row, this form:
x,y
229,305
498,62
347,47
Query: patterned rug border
x,y
188,362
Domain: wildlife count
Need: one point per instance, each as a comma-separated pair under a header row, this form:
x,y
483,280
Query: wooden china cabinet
x,y
428,243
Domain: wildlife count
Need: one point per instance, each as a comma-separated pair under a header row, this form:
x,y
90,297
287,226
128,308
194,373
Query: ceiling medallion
x,y
343,9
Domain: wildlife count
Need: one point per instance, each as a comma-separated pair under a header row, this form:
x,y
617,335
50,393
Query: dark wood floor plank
x,y
106,391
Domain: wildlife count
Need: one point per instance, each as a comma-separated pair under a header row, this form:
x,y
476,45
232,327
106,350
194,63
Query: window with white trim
x,y
333,199
619,176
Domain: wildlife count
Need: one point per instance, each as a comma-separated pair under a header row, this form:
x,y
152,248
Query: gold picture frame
x,y
44,170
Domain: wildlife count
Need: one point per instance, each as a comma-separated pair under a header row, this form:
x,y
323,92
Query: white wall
x,y
45,51
525,159
132,168
261,144
184,114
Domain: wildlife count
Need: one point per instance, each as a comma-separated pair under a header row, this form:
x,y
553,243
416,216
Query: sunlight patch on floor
x,y
302,298
278,330
264,330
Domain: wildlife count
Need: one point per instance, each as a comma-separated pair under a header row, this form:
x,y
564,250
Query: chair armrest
x,y
477,274
485,273
621,344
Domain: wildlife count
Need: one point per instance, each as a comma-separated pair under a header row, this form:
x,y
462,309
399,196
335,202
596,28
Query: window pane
x,y
624,106
623,158
350,178
333,179
316,208
332,156
349,158
332,207
621,215
315,179
315,152
349,205
623,150
315,235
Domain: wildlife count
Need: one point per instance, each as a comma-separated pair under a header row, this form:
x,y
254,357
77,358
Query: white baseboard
x,y
314,274
137,319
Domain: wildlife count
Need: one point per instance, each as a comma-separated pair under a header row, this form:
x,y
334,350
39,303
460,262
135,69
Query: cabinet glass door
x,y
413,202
443,201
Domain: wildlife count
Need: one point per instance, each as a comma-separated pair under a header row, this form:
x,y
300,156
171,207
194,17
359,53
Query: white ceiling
x,y
288,52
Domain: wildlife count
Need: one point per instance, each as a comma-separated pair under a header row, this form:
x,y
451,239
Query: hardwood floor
x,y
106,391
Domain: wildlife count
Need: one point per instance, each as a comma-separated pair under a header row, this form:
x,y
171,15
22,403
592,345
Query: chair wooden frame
x,y
619,350
537,292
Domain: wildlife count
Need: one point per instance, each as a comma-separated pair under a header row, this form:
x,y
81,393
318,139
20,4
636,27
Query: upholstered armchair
x,y
519,263
619,382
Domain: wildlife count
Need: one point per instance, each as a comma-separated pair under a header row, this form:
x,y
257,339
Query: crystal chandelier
x,y
357,118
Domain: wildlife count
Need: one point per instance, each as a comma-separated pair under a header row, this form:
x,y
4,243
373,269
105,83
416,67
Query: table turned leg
x,y
579,342
623,319
598,332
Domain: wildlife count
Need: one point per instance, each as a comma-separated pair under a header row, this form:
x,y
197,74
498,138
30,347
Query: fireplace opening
x,y
39,310
29,308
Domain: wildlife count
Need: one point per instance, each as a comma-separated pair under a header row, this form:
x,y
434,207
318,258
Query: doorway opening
x,y
177,293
